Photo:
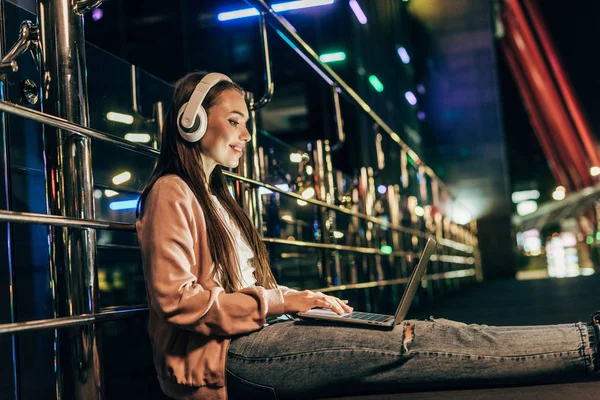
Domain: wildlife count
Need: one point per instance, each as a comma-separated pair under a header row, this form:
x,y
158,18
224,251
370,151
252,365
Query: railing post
x,y
70,193
249,167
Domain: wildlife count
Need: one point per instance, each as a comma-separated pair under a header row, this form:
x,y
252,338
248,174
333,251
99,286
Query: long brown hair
x,y
182,158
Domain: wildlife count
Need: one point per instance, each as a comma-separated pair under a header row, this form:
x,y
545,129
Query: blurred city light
x,y
121,178
308,193
386,249
332,57
295,157
97,14
123,205
376,83
595,171
338,234
118,117
419,211
523,195
110,193
403,55
411,98
360,15
527,207
287,6
138,137
559,193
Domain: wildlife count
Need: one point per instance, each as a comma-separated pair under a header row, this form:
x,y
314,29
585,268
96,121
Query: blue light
x,y
123,205
289,5
403,55
381,189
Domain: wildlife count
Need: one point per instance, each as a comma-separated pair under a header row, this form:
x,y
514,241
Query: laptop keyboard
x,y
363,316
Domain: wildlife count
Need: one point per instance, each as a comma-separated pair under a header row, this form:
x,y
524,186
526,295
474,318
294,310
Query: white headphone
x,y
192,119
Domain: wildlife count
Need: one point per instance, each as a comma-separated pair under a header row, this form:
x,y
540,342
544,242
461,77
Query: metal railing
x,y
68,149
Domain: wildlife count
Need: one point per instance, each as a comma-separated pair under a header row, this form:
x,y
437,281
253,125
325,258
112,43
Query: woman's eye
x,y
234,123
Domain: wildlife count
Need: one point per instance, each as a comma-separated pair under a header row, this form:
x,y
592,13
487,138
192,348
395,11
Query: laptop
x,y
380,320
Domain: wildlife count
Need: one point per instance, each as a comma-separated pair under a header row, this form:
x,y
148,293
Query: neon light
x,y
110,193
386,249
138,137
122,177
287,6
123,205
419,211
295,157
360,15
332,57
97,14
118,117
403,55
305,58
376,83
411,98
421,115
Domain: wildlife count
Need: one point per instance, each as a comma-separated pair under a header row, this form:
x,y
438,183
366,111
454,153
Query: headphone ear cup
x,y
197,130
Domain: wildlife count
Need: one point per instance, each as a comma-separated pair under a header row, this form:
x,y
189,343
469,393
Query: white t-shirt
x,y
244,252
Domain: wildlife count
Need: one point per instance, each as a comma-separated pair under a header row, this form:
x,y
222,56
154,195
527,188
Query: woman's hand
x,y
305,300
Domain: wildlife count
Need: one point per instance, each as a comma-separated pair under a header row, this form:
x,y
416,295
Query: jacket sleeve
x,y
165,233
285,290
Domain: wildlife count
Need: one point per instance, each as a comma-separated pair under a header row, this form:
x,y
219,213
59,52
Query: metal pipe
x,y
138,148
54,220
269,85
69,183
7,203
61,123
134,94
432,277
74,321
564,84
535,117
83,6
312,58
339,122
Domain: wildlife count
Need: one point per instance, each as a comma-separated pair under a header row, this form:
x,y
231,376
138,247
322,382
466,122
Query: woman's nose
x,y
245,136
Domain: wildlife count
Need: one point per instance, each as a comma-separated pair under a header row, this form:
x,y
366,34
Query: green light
x,y
598,236
376,83
589,240
386,249
332,57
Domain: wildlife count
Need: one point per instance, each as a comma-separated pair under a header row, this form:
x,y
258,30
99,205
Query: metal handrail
x,y
76,320
116,313
61,123
332,78
54,220
367,250
462,273
269,85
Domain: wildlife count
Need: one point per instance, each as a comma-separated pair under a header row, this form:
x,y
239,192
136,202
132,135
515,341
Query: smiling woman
x,y
218,320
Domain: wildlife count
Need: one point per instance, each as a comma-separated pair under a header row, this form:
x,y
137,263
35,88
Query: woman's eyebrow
x,y
241,114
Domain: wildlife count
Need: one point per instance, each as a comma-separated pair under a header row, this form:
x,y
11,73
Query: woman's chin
x,y
232,164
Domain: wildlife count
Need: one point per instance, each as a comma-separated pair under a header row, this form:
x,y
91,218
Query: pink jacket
x,y
191,317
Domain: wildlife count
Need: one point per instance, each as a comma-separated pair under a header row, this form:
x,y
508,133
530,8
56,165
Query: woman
x,y
210,292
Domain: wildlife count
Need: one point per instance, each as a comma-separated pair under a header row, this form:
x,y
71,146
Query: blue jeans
x,y
304,359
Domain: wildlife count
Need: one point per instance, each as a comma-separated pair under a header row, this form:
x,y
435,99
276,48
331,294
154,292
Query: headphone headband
x,y
195,103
